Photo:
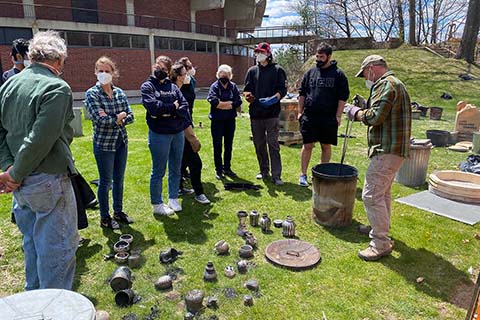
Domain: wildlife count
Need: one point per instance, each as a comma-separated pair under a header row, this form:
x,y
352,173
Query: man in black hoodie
x,y
265,85
322,97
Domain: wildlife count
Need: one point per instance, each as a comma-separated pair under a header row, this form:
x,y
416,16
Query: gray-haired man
x,y
36,160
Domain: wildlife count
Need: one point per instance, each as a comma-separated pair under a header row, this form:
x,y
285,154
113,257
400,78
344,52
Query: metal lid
x,y
47,304
292,253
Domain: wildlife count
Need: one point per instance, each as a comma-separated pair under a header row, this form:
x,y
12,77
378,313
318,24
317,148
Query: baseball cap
x,y
372,60
263,47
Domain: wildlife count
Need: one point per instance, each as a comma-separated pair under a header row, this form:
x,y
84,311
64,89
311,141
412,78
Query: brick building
x,y
134,32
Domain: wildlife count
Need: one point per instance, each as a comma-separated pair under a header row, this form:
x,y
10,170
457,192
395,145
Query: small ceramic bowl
x,y
126,237
121,246
277,223
246,251
121,257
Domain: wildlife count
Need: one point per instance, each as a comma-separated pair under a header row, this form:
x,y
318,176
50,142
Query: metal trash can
x,y
77,122
414,169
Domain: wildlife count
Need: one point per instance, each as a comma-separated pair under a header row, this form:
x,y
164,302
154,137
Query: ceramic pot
x,y
288,227
246,251
124,298
194,300
253,217
242,266
229,272
265,223
121,279
248,300
163,283
134,260
121,257
126,237
277,223
250,239
212,302
210,274
121,246
221,247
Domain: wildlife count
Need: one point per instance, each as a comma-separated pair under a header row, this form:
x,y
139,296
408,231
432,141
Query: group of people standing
x,y
37,163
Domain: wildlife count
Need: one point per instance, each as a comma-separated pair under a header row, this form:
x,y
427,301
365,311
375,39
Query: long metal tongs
x,y
348,131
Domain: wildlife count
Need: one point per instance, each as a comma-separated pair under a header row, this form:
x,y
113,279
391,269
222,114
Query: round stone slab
x,y
292,253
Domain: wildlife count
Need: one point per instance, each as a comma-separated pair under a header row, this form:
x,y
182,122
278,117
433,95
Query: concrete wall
x,y
342,44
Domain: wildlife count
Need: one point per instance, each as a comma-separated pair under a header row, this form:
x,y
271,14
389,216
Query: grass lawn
x,y
342,286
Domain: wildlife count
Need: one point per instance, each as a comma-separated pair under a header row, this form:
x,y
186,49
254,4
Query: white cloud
x,y
279,12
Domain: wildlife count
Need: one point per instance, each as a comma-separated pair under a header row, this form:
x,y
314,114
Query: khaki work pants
x,y
376,196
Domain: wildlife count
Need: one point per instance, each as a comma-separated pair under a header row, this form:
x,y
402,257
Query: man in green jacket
x,y
389,121
35,134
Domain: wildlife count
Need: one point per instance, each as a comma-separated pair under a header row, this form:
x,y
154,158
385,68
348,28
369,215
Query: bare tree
x,y
401,21
411,29
466,50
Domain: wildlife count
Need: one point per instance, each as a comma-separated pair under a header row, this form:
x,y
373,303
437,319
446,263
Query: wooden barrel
x,y
334,187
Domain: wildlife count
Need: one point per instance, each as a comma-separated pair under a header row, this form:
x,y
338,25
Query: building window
x,y
201,46
7,35
140,42
189,45
162,43
211,47
176,44
100,40
120,40
85,11
77,39
226,48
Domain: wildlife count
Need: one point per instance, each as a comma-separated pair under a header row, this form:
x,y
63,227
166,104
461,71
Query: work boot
x,y
373,254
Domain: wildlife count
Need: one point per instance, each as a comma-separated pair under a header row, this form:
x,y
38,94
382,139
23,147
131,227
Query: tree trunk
x,y
436,12
401,22
412,18
347,19
466,50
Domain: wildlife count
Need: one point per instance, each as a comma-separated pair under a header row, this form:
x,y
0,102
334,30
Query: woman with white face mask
x,y
110,112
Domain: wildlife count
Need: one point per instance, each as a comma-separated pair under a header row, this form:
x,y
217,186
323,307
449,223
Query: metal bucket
x,y
476,143
334,187
439,138
121,279
436,113
413,171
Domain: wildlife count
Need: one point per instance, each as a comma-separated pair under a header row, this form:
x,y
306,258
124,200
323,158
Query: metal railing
x,y
62,13
272,32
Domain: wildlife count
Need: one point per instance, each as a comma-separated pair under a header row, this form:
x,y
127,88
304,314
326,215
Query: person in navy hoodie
x,y
224,99
169,123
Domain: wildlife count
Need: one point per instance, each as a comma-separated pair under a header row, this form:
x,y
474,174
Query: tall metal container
x,y
413,172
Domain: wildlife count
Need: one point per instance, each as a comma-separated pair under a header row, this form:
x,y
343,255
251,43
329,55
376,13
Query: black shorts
x,y
321,132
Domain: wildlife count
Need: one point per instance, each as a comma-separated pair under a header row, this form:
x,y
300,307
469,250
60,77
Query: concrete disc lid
x,y
292,253
47,304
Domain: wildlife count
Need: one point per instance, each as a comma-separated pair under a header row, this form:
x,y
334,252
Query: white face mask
x,y
104,78
368,83
261,57
187,79
26,63
191,72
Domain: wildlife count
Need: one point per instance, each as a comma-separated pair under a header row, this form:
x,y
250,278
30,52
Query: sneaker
x,y
261,175
303,180
219,175
122,217
202,198
230,173
373,254
277,181
109,223
173,203
185,191
162,209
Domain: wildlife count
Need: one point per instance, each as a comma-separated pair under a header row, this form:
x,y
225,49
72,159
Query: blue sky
x,y
280,12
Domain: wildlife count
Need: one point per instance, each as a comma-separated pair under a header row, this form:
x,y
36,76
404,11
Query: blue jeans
x,y
163,148
111,166
46,214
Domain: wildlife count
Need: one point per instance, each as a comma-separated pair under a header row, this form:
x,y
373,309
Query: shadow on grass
x,y
442,279
349,234
293,190
84,252
250,192
190,224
